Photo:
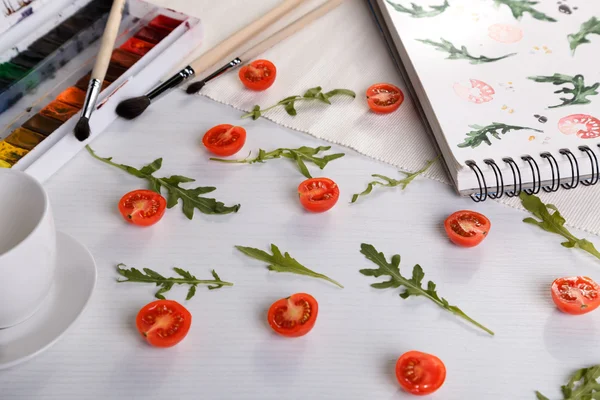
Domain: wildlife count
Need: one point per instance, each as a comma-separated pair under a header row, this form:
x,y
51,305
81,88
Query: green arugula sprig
x,y
283,263
520,7
418,11
550,220
590,27
150,276
190,198
579,91
289,103
461,54
300,155
389,182
480,133
583,385
412,287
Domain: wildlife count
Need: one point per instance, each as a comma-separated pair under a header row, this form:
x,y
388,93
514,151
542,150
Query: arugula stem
x,y
418,289
223,160
281,103
180,281
104,160
317,275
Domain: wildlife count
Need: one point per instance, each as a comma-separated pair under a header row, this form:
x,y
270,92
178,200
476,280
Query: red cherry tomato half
x,y
420,373
318,194
582,125
258,75
384,98
142,207
224,140
163,323
576,295
467,228
293,316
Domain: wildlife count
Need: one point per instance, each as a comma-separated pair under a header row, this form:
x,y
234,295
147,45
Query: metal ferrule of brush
x,y
171,83
232,64
91,97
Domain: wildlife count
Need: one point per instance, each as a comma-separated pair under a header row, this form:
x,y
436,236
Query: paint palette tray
x,y
41,57
37,131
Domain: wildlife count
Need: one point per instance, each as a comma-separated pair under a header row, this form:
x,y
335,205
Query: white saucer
x,y
73,286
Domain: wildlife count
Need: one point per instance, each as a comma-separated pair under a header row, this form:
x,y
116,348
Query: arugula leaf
x,y
579,91
462,53
300,155
389,182
583,385
520,7
283,262
289,102
480,133
190,198
553,222
412,286
418,11
592,26
165,284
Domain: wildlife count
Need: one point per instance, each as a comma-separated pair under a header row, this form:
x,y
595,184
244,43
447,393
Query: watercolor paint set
x,y
44,75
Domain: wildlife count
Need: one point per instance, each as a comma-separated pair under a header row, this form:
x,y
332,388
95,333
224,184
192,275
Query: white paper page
x,y
465,92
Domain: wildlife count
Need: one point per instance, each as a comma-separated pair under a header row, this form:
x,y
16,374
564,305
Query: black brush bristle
x,y
195,87
82,129
133,108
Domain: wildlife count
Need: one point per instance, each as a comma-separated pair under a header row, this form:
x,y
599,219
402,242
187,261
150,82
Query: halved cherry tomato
x,y
420,373
163,323
318,194
467,228
142,207
258,75
384,98
293,316
224,140
576,295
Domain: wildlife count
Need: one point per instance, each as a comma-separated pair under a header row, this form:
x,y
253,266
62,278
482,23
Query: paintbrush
x,y
132,108
82,129
266,44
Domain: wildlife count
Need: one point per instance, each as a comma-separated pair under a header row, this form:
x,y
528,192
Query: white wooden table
x,y
230,352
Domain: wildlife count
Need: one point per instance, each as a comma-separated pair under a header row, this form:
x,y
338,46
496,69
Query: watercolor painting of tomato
x,y
475,91
582,125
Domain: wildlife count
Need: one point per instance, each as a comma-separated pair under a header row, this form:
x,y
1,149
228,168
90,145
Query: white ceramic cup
x,y
27,246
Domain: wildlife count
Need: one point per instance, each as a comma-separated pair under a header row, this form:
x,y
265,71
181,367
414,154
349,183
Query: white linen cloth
x,y
344,49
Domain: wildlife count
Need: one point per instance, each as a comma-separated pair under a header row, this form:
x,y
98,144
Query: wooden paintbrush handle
x,y
233,42
108,40
289,30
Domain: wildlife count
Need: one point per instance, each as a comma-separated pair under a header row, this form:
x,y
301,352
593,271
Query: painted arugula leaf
x,y
460,54
417,11
592,26
480,133
582,385
520,7
579,91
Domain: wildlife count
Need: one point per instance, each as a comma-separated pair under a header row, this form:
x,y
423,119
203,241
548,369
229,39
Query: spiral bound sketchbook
x,y
509,88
